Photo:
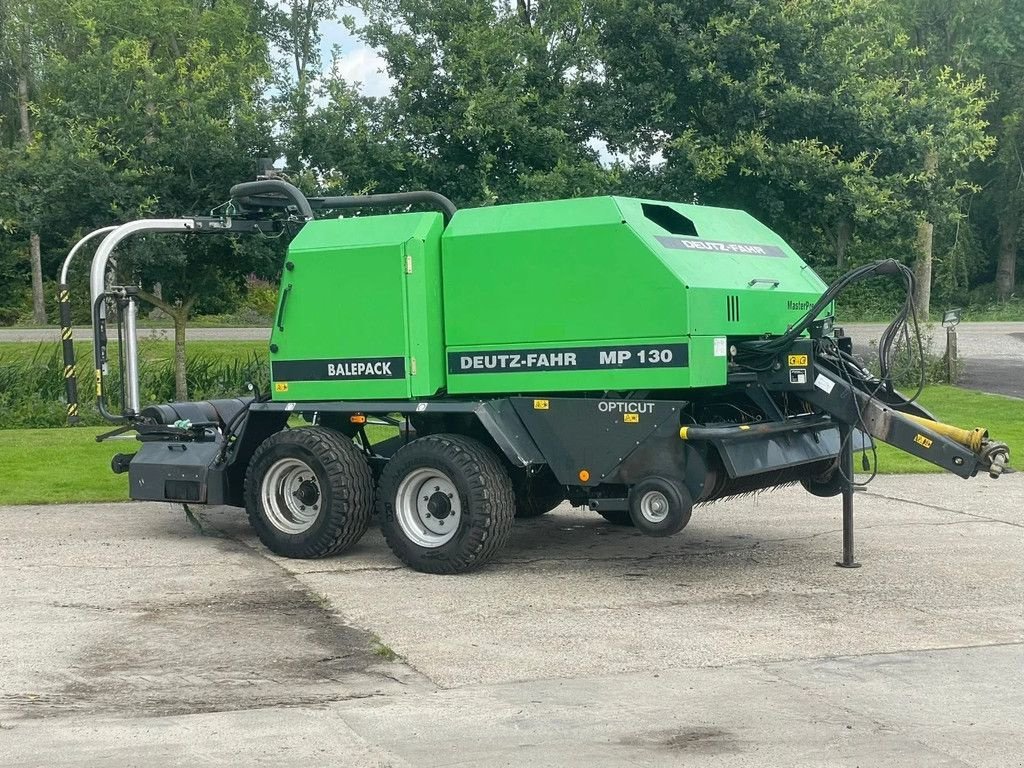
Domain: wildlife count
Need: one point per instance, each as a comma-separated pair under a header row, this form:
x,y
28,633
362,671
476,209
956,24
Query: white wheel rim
x,y
428,508
654,506
291,496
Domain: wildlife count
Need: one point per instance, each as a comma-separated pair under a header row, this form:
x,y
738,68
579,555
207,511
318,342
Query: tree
x,y
17,45
160,104
485,103
813,115
295,28
986,38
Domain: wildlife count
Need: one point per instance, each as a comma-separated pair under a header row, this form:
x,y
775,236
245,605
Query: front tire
x,y
660,506
308,493
445,504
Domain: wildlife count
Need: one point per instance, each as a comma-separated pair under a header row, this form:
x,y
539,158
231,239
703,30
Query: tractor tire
x,y
660,506
536,495
824,486
308,493
616,516
445,504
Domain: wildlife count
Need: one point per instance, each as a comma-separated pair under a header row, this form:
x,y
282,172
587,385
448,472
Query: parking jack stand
x,y
846,467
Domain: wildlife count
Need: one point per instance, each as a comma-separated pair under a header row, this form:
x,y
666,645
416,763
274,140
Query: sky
x,y
358,63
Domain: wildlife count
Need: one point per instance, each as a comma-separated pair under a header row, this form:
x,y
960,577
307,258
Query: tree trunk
x,y
923,247
523,10
34,251
844,231
180,382
38,299
923,269
1006,265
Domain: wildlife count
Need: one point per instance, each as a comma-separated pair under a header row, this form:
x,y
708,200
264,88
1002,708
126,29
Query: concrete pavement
x,y
134,639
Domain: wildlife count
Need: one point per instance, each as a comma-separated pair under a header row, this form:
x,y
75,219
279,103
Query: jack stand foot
x,y
846,467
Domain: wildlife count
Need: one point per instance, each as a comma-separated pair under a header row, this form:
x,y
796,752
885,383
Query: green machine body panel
x,y
359,313
642,294
590,294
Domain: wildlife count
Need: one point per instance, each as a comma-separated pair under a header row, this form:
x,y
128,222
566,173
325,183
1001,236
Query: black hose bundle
x,y
760,354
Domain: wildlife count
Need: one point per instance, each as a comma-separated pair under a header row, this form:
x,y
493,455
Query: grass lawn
x,y
45,466
55,466
48,466
149,350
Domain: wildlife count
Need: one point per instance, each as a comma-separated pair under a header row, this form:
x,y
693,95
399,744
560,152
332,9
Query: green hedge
x,y
32,382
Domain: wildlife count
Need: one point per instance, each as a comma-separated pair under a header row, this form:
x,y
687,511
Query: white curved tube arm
x,y
97,277
77,247
98,270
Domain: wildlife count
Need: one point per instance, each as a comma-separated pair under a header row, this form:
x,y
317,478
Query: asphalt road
x,y
993,353
131,638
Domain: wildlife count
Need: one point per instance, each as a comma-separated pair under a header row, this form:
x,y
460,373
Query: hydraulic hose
x,y
433,199
274,187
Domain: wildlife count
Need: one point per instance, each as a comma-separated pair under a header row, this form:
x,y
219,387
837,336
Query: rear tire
x,y
308,493
445,504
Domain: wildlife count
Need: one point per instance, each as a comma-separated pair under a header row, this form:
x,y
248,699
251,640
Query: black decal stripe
x,y
344,369
624,356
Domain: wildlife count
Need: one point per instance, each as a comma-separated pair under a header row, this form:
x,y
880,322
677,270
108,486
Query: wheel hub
x,y
439,505
427,507
291,496
308,492
654,506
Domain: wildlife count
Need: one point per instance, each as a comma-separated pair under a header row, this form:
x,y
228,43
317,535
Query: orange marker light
x,y
357,418
584,475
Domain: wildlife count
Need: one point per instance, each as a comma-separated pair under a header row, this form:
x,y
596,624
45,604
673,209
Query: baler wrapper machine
x,y
636,357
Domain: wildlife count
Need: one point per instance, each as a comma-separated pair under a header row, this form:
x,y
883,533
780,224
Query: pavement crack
x,y
357,569
939,508
869,654
90,567
857,714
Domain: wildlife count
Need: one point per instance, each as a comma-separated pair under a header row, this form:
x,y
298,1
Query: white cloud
x,y
353,60
364,66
